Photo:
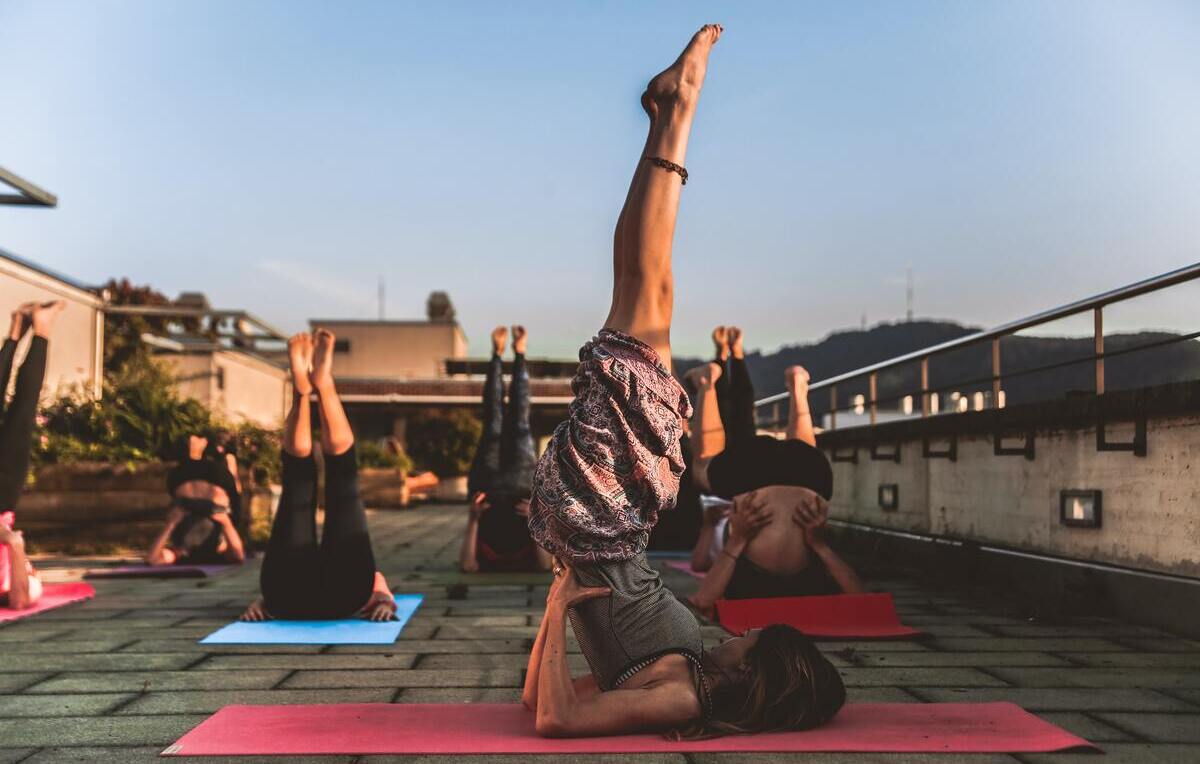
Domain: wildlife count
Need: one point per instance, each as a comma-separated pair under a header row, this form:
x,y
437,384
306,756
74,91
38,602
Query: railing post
x,y
833,407
925,386
775,421
1099,312
996,373
871,383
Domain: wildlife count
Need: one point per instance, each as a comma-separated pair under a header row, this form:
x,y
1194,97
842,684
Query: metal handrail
x,y
1096,304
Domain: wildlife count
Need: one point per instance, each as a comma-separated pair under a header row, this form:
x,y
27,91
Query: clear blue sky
x,y
281,156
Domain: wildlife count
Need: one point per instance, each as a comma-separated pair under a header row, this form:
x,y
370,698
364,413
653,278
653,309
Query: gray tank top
x,y
640,622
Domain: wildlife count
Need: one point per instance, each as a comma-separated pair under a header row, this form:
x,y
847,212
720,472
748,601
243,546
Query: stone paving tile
x,y
1054,699
515,661
1162,644
188,644
146,681
1138,660
60,705
407,678
53,647
96,730
446,646
879,695
1086,726
1026,644
1099,677
22,631
1191,696
317,662
986,660
18,681
107,662
1159,728
481,632
459,695
926,677
209,701
1123,753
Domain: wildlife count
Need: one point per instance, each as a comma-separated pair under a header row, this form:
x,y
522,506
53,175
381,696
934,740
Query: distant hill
x,y
845,351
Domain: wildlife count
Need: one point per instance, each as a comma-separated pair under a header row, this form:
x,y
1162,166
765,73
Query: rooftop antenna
x,y
908,291
381,297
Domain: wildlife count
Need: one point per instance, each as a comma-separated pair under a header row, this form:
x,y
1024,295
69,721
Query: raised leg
x,y
800,421
643,290
336,435
16,432
485,467
349,562
736,400
518,455
297,433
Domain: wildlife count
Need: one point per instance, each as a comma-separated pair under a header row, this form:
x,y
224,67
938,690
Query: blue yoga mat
x,y
350,631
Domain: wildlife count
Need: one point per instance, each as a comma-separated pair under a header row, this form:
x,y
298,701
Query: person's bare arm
x,y
381,606
708,432
562,711
701,560
747,519
24,586
235,551
468,559
813,517
158,554
231,463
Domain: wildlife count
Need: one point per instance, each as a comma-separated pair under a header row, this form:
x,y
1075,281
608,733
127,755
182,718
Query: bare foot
x,y
735,342
797,379
679,85
520,339
720,338
43,317
704,376
322,365
20,322
300,355
499,338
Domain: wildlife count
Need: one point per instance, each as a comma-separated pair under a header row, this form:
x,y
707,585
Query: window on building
x,y
341,346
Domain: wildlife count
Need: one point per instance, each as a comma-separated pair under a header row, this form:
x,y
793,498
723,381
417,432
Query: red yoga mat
x,y
482,728
53,595
836,616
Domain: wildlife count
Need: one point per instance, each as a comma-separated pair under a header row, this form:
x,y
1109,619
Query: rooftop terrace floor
x,y
121,677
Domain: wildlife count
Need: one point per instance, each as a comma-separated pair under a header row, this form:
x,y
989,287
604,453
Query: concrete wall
x,y
76,347
1149,504
235,385
395,349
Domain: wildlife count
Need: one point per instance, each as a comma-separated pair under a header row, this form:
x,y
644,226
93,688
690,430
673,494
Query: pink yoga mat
x,y
482,728
53,596
837,616
684,566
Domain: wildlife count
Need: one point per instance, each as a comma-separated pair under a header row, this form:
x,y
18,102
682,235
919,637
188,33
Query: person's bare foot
x,y
43,316
704,376
720,338
679,85
520,339
735,342
499,339
20,321
300,356
797,379
322,363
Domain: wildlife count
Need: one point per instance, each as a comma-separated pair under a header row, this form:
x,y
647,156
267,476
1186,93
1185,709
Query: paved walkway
x,y
122,677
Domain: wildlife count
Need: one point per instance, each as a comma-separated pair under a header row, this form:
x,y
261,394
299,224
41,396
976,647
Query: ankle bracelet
x,y
670,166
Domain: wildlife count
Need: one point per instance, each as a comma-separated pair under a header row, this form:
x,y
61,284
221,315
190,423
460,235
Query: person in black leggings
x,y
20,586
201,526
336,578
777,545
497,535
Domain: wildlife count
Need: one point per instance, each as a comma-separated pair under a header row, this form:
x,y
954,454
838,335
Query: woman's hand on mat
x,y
479,505
749,516
257,611
381,607
566,590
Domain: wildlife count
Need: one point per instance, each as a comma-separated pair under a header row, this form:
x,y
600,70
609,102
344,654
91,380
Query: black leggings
x,y
16,430
735,401
300,579
506,455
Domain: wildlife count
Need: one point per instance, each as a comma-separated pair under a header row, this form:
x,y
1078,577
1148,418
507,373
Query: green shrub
x,y
444,442
382,454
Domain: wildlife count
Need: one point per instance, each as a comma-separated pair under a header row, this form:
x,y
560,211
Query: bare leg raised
x,y
336,435
297,435
643,292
